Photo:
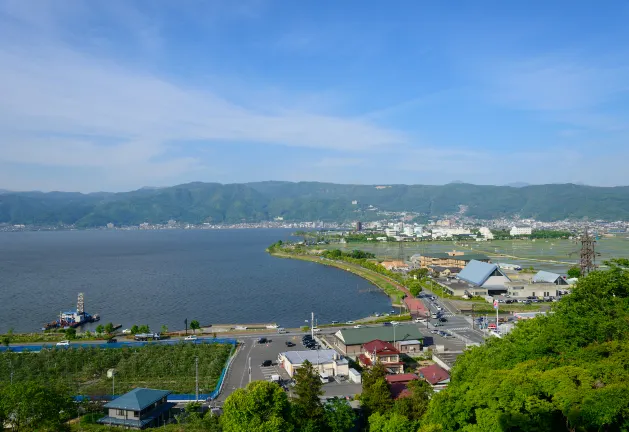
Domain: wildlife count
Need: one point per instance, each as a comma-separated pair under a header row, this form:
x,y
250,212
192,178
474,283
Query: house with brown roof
x,y
399,384
394,265
383,352
436,376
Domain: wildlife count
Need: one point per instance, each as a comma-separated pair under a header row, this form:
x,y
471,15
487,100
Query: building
x,y
409,231
486,232
548,277
439,271
138,409
350,341
394,265
327,362
399,384
524,289
436,376
412,346
449,259
390,232
477,279
359,226
383,352
520,231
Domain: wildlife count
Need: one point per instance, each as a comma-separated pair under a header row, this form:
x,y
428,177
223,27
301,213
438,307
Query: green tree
x,y
420,273
376,394
135,329
260,407
339,416
574,272
71,333
416,404
309,412
164,328
415,287
144,328
32,406
109,328
194,325
6,340
100,329
391,422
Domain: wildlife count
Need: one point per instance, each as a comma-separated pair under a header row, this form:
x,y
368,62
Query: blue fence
x,y
130,344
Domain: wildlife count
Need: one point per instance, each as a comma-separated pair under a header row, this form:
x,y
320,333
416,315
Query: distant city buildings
x,y
486,232
520,230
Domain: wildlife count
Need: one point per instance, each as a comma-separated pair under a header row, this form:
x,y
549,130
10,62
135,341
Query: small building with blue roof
x,y
139,409
549,277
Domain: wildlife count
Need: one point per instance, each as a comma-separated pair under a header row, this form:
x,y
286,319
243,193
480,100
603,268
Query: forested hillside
x,y
308,201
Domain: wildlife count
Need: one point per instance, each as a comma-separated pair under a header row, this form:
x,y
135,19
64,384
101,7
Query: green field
x,y
84,371
552,255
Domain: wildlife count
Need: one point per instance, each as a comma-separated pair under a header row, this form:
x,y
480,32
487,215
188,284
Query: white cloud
x,y
77,101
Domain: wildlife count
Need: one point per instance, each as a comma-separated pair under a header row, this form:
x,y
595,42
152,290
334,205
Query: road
x,y
457,324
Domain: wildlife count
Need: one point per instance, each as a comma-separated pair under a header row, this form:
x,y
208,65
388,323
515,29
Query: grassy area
x,y
378,280
84,370
43,337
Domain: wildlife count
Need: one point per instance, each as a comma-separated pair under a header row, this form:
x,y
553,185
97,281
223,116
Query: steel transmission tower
x,y
587,253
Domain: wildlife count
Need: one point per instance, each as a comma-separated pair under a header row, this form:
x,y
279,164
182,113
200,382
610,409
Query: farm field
x,y
551,255
84,370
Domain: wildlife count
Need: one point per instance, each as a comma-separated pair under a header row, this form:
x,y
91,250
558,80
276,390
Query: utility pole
x,y
196,369
312,324
249,370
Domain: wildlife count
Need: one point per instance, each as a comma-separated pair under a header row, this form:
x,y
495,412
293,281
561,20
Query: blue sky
x,y
116,95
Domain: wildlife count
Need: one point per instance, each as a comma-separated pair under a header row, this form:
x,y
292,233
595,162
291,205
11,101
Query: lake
x,y
164,277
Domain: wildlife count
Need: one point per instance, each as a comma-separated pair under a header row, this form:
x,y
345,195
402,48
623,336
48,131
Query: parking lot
x,y
251,352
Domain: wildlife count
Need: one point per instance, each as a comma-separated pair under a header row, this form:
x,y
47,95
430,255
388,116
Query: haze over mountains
x,y
309,201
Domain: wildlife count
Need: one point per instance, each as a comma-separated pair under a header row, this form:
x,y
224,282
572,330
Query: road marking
x,y
245,369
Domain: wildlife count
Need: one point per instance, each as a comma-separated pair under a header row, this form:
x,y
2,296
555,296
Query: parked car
x,y
290,344
386,324
438,324
434,331
112,340
262,340
420,320
358,326
335,322
190,338
395,323
267,363
126,331
443,319
349,322
316,330
63,343
434,316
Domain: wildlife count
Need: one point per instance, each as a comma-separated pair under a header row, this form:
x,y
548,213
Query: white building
x,y
520,230
486,232
390,232
419,231
327,362
409,231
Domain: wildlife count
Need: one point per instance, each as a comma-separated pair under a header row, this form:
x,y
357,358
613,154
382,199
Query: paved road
x,y
252,353
457,324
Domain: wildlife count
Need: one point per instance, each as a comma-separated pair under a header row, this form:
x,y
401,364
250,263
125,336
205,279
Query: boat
x,y
73,319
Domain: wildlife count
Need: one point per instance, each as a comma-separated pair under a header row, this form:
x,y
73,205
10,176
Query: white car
x,y
190,338
439,308
395,323
420,320
316,330
63,343
358,326
349,322
126,331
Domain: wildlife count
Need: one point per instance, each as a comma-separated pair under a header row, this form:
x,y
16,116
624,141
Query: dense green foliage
x,y
216,203
574,272
309,412
84,371
30,406
566,371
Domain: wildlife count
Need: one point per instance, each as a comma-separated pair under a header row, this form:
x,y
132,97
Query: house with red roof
x,y
436,376
399,384
383,352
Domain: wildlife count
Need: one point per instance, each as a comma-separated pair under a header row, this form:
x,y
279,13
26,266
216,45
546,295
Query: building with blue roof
x,y
138,409
549,277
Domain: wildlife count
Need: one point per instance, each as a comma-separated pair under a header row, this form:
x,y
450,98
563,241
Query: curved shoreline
x,y
391,288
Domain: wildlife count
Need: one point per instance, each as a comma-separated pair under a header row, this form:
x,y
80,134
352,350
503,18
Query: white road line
x,y
245,369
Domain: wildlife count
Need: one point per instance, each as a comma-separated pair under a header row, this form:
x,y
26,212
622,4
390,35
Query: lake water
x,y
164,277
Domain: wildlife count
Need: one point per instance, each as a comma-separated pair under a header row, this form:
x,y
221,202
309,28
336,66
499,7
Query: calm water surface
x,y
163,277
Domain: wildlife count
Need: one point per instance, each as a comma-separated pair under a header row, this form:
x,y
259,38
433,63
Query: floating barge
x,y
73,319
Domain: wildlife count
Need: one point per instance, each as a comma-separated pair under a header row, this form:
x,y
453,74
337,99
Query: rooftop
x,y
360,336
544,276
315,357
477,272
380,347
138,399
434,374
401,378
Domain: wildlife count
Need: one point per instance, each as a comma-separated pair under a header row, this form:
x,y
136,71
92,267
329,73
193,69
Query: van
x,y
281,330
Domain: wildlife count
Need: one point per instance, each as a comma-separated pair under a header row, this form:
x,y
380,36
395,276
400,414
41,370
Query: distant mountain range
x,y
308,201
